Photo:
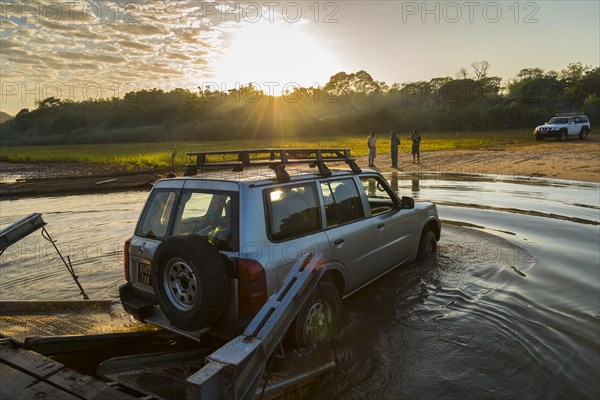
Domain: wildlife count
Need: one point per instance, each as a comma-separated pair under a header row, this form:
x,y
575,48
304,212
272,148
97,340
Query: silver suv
x,y
210,247
563,126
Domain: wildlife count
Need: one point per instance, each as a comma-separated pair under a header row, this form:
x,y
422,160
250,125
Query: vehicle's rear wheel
x,y
318,317
583,134
563,136
427,246
190,281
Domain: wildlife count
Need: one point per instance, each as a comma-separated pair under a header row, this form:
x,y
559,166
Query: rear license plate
x,y
144,271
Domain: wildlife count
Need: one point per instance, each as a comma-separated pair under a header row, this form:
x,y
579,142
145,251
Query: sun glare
x,y
275,57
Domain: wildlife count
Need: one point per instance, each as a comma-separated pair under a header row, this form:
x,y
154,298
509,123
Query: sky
x,y
79,50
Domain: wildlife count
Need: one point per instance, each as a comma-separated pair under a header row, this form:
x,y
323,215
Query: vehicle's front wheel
x,y
190,281
583,134
562,136
318,317
427,246
538,138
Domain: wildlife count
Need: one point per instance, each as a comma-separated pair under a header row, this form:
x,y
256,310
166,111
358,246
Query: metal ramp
x,y
163,375
20,229
26,226
235,370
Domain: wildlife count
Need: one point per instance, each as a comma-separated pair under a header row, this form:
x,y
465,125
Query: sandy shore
x,y
573,159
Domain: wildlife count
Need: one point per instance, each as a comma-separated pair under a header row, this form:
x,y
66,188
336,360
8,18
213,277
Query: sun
x,y
275,57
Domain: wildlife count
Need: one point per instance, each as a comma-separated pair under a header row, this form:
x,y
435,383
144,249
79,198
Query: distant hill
x,y
4,117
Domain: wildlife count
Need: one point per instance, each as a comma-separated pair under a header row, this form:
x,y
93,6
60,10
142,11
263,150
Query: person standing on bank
x,y
372,142
394,143
416,143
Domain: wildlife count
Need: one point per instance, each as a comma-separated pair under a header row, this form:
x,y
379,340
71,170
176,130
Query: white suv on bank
x,y
564,125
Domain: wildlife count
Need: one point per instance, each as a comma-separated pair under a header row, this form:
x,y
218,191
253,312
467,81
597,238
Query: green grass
x,y
130,156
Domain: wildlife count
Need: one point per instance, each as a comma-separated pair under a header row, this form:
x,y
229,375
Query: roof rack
x,y
568,114
275,159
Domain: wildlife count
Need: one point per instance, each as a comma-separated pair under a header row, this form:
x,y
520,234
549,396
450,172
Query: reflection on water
x,y
510,307
394,181
415,182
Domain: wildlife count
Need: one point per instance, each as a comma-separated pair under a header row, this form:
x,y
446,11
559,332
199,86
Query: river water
x,y
510,307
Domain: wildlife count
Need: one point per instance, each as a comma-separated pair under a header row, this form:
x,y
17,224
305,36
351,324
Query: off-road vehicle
x,y
563,126
211,246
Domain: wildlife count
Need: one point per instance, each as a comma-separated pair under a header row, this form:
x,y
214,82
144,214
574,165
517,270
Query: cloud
x,y
135,45
8,24
100,57
161,68
177,56
162,44
8,44
138,29
54,26
69,55
110,48
14,54
108,58
84,66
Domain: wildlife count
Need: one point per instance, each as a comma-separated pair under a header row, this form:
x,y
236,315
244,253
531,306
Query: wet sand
x,y
573,159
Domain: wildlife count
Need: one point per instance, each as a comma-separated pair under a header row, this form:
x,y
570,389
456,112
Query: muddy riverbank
x,y
573,160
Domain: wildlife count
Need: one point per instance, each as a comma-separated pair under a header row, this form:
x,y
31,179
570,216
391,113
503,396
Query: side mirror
x,y
407,202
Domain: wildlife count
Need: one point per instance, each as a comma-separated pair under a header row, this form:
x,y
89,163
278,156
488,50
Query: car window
x,y
556,120
209,214
195,205
381,200
342,202
155,218
293,211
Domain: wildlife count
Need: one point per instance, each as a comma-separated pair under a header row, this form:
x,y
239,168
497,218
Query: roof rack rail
x,y
568,114
276,159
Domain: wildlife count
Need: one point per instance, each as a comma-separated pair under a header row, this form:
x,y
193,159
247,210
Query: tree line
x,y
350,103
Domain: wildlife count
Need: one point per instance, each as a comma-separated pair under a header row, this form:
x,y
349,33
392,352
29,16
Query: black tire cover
x,y
208,267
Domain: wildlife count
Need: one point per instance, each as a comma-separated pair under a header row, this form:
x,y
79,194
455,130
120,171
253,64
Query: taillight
x,y
126,259
252,287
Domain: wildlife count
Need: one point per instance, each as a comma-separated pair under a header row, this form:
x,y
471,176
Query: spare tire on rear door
x,y
190,281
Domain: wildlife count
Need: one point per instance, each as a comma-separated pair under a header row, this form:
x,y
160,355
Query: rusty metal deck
x,y
50,323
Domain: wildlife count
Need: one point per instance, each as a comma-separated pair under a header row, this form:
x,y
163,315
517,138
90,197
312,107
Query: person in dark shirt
x,y
416,143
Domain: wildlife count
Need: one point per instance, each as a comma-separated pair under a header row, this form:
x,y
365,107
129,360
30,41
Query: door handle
x,y
380,226
339,242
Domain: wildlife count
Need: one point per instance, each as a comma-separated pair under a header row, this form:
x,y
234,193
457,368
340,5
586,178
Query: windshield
x,y
558,120
212,214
